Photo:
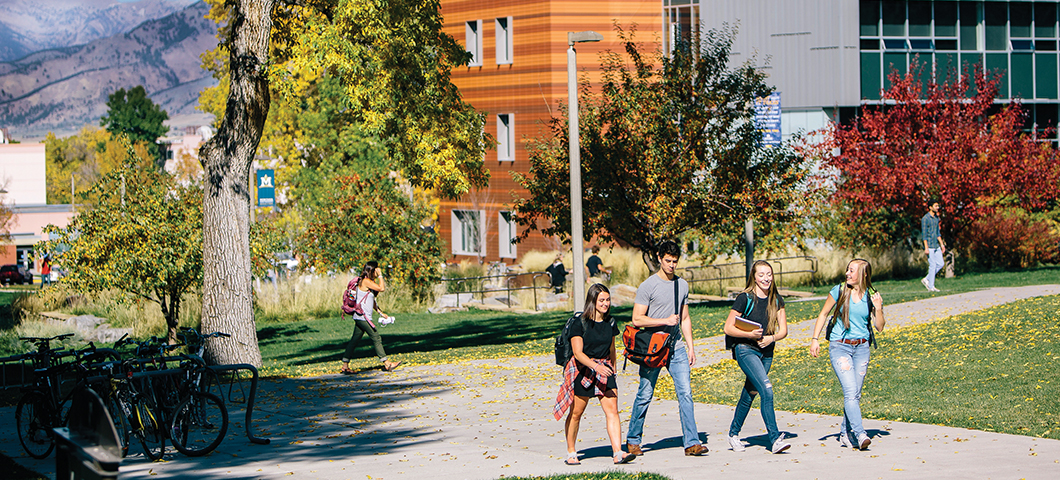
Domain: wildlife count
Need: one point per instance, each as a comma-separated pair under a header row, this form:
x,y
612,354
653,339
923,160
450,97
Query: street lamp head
x,y
582,37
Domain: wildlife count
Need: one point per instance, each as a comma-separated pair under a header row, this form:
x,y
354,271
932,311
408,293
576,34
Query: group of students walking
x,y
755,323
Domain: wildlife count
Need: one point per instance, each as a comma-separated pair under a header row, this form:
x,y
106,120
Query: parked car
x,y
12,274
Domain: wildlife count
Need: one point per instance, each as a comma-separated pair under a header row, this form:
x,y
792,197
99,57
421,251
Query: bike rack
x,y
237,367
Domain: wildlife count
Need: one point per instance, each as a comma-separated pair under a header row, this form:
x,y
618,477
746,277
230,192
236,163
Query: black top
x,y
558,273
594,265
597,339
758,313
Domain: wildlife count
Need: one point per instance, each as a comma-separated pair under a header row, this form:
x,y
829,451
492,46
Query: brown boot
x,y
696,450
634,449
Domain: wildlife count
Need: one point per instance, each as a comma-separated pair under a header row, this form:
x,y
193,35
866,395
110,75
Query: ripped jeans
x,y
851,364
756,366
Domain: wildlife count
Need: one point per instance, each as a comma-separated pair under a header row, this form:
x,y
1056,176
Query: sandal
x,y
392,367
346,371
572,459
623,457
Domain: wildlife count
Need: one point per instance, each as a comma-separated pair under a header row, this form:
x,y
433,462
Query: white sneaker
x,y
736,444
933,289
863,441
844,440
924,281
780,445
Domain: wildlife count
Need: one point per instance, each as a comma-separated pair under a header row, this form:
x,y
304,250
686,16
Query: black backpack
x,y
564,352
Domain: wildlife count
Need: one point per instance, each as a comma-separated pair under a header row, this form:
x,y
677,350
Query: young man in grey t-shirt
x,y
654,307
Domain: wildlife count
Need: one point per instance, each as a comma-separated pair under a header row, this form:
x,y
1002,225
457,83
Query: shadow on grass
x,y
327,338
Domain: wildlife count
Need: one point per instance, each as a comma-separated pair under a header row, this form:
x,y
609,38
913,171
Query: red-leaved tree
x,y
946,141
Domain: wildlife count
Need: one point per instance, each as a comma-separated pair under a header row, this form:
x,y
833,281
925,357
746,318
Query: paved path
x,y
488,419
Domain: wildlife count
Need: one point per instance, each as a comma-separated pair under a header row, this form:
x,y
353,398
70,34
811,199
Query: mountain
x,y
62,89
28,26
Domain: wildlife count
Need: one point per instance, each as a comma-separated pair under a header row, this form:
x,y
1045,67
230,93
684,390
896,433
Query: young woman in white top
x,y
371,282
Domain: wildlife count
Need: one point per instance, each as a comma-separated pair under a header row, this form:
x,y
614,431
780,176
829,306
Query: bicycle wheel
x,y
151,433
121,425
32,419
199,424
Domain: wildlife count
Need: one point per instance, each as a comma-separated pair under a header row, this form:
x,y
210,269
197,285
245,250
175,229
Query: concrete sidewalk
x,y
488,419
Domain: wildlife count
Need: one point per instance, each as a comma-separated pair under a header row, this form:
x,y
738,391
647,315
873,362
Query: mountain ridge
x,y
61,89
28,26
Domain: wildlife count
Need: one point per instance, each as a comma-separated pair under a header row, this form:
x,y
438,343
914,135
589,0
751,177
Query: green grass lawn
x,y
996,370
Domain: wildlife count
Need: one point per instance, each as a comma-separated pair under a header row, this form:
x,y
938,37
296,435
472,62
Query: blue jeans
x,y
935,264
681,373
851,364
756,366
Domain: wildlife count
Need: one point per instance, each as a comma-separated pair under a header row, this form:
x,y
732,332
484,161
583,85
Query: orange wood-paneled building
x,y
518,79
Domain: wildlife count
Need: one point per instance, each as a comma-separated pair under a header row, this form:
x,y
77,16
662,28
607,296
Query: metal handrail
x,y
507,279
778,263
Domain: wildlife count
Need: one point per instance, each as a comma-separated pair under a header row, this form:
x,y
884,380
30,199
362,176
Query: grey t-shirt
x,y
658,295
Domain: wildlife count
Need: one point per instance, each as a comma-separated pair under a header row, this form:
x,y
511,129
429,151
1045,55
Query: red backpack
x,y
350,304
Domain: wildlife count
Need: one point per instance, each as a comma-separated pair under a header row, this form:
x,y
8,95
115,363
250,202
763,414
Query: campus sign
x,y
767,117
266,188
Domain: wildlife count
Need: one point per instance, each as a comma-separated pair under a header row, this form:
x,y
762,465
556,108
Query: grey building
x,y
828,58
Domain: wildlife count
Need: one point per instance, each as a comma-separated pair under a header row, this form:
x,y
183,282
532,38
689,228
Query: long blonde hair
x,y
773,305
842,304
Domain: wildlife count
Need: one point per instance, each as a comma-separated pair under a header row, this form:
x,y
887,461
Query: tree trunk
x,y
227,300
651,261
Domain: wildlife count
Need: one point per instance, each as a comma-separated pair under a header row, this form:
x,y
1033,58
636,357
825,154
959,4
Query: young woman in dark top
x,y
752,348
591,373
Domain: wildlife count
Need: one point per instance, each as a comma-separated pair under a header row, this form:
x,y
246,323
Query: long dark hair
x,y
773,305
589,312
368,271
842,304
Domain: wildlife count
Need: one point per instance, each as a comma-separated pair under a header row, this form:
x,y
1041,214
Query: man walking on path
x,y
934,248
654,307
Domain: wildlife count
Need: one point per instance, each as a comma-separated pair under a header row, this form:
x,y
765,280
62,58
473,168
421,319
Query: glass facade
x,y
1015,39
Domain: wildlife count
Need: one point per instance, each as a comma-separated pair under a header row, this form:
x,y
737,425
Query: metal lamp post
x,y
575,162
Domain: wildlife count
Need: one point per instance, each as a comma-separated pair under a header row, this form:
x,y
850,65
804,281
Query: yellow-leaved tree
x,y
393,62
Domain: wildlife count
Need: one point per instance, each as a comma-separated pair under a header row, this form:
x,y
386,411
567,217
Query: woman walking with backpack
x,y
849,308
591,373
755,324
363,292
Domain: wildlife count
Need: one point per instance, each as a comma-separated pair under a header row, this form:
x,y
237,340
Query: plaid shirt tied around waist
x,y
590,378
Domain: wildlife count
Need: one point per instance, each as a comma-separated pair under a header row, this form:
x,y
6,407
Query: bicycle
x,y
43,404
194,420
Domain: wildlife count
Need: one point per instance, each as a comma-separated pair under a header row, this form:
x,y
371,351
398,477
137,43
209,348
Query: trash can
x,y
88,448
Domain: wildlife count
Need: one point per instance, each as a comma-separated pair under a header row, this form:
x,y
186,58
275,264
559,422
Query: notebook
x,y
746,324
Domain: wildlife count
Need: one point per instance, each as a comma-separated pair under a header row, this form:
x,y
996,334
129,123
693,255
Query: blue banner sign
x,y
767,118
266,188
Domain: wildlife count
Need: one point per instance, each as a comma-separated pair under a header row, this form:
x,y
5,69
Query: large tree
x,y
394,64
945,141
134,114
668,146
142,235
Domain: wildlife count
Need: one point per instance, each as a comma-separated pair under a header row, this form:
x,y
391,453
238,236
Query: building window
x,y
507,231
504,40
1018,39
473,41
682,26
505,137
467,227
